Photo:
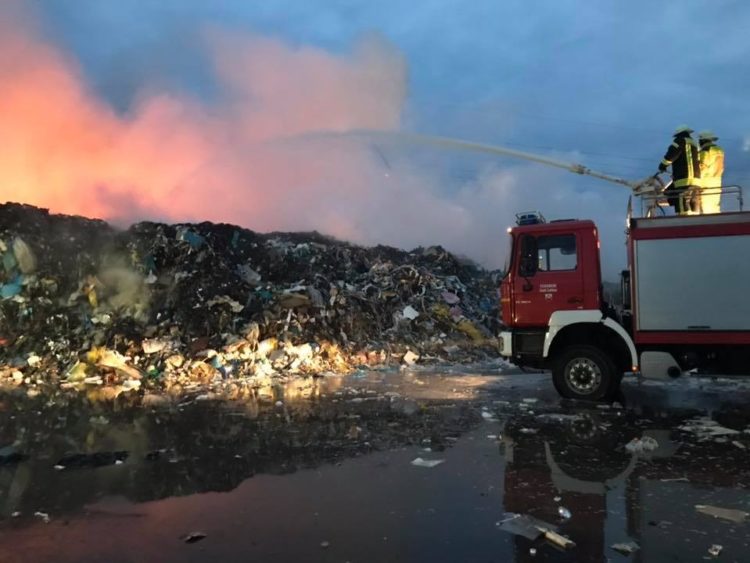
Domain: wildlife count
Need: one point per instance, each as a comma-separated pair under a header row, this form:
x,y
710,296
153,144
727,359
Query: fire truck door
x,y
549,278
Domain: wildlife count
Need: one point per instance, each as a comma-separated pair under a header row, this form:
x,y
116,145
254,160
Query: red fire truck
x,y
684,293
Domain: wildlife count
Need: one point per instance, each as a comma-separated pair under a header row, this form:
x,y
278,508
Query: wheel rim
x,y
583,376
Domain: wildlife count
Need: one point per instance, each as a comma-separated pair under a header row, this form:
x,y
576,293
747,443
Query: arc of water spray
x,y
451,143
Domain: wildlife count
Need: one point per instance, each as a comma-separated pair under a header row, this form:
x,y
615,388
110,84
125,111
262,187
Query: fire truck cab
x,y
684,294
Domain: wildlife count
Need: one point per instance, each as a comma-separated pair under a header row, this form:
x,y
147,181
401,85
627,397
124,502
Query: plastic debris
x,y
249,275
410,358
43,516
410,313
24,256
564,512
153,346
450,298
429,463
193,537
532,528
12,288
715,550
642,445
705,428
98,459
325,544
626,548
192,238
731,514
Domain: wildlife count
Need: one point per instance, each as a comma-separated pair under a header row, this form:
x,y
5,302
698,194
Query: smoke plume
x,y
174,156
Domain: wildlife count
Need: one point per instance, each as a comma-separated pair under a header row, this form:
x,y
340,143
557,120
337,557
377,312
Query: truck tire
x,y
585,372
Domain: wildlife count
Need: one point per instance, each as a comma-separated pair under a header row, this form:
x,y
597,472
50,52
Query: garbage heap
x,y
183,307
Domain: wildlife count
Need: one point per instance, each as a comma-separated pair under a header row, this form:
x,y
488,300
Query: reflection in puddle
x,y
329,461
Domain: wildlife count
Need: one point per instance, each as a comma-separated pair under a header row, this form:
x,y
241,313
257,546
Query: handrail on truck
x,y
655,204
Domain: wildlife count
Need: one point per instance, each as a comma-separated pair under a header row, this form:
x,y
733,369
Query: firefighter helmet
x,y
683,129
707,136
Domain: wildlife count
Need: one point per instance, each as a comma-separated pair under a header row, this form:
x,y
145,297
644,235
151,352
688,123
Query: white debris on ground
x,y
429,463
730,514
706,428
642,445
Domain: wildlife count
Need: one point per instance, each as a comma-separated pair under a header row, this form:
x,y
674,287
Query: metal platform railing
x,y
659,203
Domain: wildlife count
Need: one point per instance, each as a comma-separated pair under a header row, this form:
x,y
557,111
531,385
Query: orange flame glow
x,y
175,158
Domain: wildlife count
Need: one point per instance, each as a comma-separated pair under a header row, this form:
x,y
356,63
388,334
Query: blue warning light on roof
x,y
529,218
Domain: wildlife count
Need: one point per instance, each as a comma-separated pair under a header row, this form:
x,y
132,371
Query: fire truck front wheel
x,y
585,372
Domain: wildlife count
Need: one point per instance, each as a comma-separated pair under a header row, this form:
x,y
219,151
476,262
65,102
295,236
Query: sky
x,y
238,111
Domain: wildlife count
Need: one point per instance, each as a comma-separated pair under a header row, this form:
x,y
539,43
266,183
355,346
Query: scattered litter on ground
x,y
325,544
626,548
564,513
715,550
705,428
642,445
410,313
731,514
96,459
410,358
558,417
532,528
193,537
43,516
419,462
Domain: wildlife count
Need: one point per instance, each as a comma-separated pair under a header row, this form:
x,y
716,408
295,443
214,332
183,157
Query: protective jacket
x,y
682,156
711,159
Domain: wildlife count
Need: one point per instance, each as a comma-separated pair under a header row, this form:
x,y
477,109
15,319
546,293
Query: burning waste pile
x,y
182,308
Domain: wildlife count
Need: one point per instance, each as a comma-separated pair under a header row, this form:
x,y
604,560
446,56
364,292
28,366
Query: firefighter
x,y
682,156
711,160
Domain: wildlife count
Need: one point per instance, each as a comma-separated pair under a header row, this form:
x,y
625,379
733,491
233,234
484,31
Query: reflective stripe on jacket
x,y
682,156
711,158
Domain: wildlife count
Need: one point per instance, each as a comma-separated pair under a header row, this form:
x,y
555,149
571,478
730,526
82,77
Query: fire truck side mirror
x,y
529,257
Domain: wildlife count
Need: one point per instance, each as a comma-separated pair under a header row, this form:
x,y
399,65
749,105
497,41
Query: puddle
x,y
324,472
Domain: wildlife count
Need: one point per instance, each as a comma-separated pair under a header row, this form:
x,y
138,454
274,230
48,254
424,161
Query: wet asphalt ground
x,y
325,473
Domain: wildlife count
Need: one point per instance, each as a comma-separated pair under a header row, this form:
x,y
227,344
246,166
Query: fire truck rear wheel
x,y
585,372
